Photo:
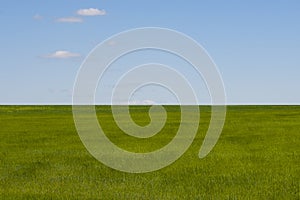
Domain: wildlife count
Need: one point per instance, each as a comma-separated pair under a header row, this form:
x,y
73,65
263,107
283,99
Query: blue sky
x,y
255,44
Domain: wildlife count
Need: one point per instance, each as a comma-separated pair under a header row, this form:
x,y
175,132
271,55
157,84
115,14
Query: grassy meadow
x,y
256,157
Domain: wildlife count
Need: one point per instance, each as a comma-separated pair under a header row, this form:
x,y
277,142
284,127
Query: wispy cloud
x,y
70,20
81,12
112,43
38,17
62,55
91,12
135,102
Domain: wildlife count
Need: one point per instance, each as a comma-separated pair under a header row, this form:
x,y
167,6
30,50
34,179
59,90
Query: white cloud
x,y
148,102
37,17
70,20
91,12
139,102
62,54
112,43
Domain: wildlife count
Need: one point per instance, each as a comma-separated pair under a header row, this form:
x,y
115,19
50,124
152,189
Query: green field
x,y
256,157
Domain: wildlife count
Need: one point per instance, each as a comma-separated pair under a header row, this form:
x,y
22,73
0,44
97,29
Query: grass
x,y
256,157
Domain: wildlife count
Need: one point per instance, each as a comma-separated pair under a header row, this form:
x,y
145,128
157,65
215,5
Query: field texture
x,y
256,157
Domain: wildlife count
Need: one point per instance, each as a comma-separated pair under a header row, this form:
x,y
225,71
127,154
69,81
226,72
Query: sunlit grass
x,y
257,157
